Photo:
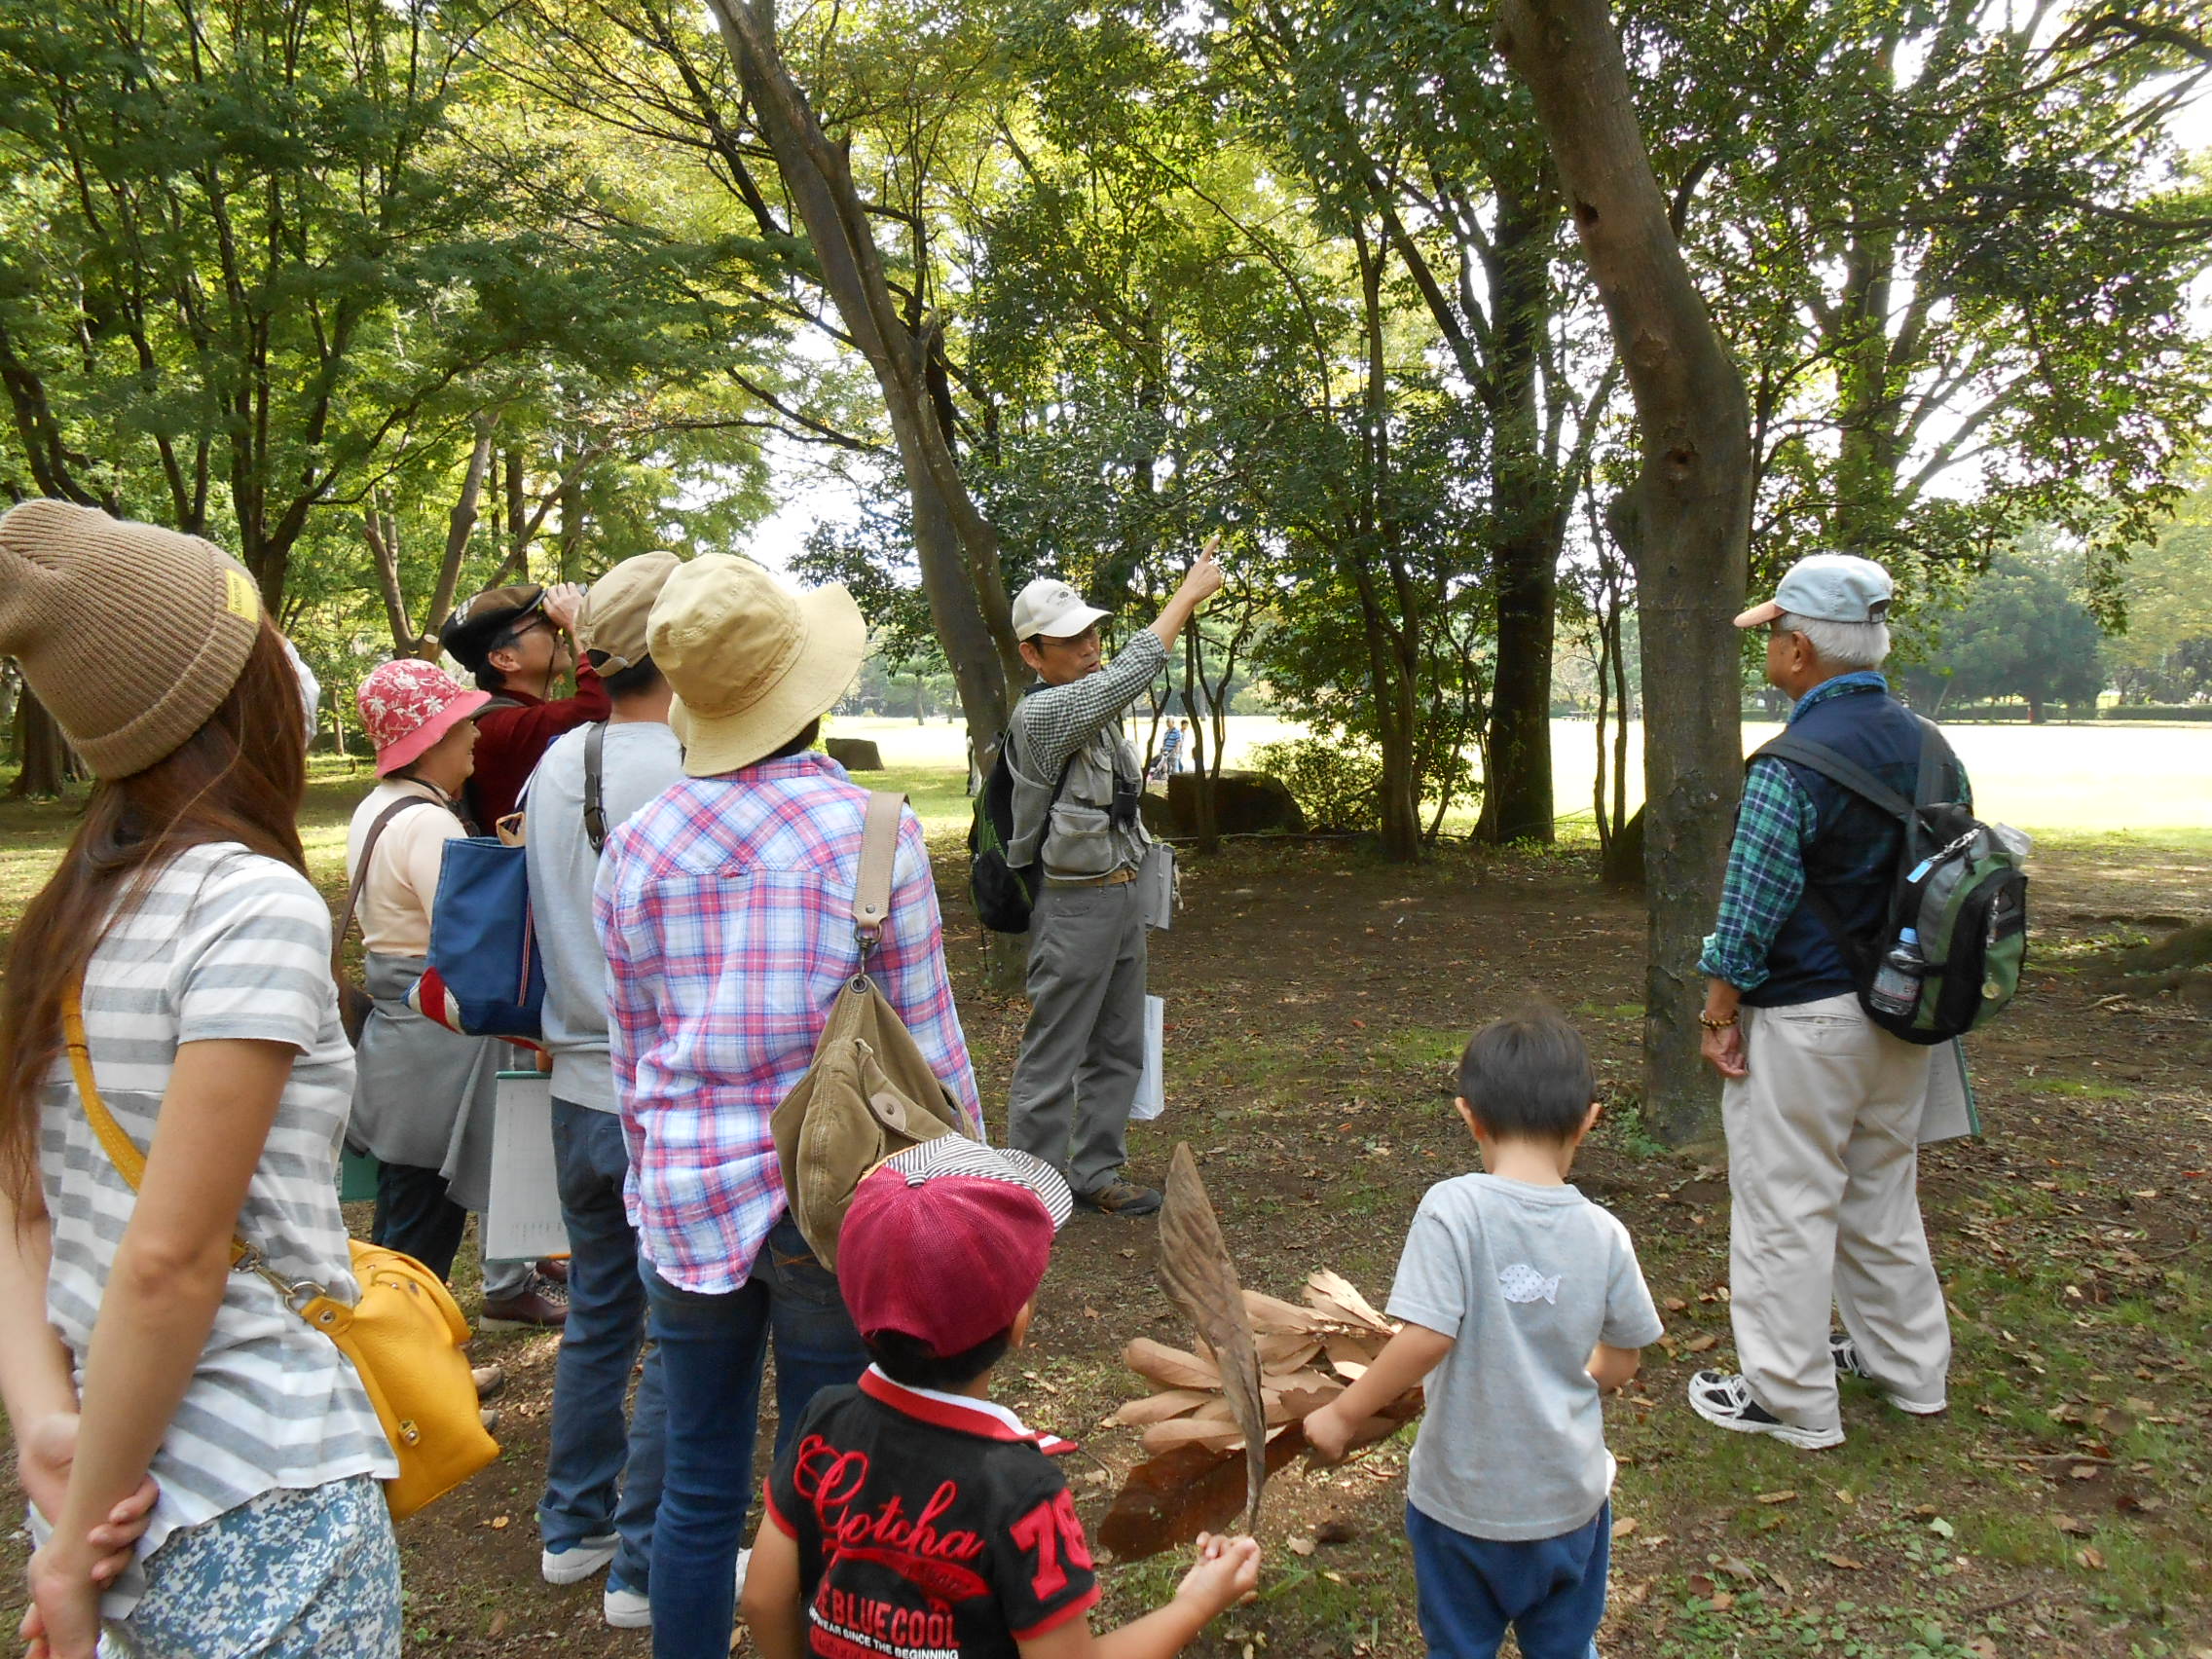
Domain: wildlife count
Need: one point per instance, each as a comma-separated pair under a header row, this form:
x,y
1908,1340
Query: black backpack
x,y
1003,893
1961,887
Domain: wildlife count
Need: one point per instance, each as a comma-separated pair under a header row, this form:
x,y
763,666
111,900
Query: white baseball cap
x,y
1053,609
1828,587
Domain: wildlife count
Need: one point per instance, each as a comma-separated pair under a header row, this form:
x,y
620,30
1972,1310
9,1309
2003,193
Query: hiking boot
x,y
529,1307
1724,1399
489,1380
554,1269
1845,1353
1121,1197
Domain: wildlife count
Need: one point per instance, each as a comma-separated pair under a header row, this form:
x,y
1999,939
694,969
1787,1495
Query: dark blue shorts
x,y
1550,1591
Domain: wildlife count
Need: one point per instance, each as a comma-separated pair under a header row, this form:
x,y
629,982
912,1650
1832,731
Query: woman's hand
x,y
64,1618
46,1448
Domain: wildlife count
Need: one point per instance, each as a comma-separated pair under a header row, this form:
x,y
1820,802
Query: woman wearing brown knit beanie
x,y
216,1078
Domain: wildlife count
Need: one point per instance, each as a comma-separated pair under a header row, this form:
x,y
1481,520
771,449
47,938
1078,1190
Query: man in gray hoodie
x,y
1077,784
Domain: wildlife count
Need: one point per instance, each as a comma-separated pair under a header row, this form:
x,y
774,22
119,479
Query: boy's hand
x,y
1226,1570
1327,1434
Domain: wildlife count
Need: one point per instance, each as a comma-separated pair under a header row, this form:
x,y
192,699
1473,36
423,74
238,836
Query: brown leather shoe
x,y
554,1268
532,1307
489,1380
1121,1197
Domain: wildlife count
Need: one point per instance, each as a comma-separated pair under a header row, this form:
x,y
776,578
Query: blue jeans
x,y
1552,1591
595,1455
712,1350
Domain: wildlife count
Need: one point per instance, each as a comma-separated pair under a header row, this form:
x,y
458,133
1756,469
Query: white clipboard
x,y
1151,1086
522,1218
1949,1112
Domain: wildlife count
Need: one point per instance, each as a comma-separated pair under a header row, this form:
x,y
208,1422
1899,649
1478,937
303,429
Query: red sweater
x,y
510,741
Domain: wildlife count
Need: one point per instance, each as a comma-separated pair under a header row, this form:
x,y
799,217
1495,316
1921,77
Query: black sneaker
x,y
1724,1399
1845,1353
1121,1197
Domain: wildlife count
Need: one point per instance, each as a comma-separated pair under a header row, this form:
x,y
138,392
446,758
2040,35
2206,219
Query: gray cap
x,y
1828,587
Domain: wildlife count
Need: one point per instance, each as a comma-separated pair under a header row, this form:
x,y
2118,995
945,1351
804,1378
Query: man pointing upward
x,y
1077,782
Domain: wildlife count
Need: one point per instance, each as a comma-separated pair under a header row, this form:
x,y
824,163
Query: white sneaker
x,y
626,1610
575,1566
1725,1400
1845,1353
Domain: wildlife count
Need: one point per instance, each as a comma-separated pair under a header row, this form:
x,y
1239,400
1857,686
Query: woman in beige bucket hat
x,y
212,1041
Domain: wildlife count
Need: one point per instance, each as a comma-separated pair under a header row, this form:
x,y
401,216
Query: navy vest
x,y
1852,858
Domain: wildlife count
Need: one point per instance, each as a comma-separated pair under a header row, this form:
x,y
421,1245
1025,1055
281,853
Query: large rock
x,y
855,754
1246,803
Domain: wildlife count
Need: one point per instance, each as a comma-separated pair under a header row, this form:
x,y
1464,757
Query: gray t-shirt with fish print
x,y
1527,1280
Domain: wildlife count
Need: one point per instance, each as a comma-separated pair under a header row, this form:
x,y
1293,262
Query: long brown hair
x,y
240,777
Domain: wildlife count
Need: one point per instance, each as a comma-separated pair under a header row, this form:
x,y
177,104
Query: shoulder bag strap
x,y
1847,772
595,800
879,851
361,876
129,1163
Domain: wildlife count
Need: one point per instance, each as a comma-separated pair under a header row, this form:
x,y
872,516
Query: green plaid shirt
x,y
1766,864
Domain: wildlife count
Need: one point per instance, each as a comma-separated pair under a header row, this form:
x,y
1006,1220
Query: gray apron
x,y
423,1095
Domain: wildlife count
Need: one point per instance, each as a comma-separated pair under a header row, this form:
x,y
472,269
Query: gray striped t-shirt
x,y
224,943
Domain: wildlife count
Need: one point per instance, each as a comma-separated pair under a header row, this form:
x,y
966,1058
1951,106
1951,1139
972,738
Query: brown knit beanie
x,y
130,635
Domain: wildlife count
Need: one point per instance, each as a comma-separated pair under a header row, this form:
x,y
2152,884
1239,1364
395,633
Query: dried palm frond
x,y
1198,1277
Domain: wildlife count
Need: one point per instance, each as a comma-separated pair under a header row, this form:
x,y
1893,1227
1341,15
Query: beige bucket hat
x,y
751,660
610,629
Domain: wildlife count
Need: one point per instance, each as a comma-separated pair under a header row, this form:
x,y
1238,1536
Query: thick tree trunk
x,y
1690,514
1517,802
955,549
45,752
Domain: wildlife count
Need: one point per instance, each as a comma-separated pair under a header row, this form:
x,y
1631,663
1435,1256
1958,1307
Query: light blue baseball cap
x,y
1828,587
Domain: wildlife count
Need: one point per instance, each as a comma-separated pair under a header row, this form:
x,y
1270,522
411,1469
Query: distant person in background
x,y
1164,763
138,1367
602,1472
423,1099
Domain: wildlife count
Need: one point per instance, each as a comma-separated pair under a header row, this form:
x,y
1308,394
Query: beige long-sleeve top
x,y
403,880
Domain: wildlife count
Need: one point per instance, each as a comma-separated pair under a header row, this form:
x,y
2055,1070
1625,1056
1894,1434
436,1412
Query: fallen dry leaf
x,y
1169,1366
2072,1527
1698,1344
1722,1600
1624,1526
1159,1408
1845,1563
1300,1546
2091,1557
1785,1495
2084,1472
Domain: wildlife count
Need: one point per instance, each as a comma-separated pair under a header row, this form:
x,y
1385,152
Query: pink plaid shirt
x,y
725,907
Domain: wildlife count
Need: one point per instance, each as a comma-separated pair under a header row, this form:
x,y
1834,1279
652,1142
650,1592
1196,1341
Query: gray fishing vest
x,y
1080,841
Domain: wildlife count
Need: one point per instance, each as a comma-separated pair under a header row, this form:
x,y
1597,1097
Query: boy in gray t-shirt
x,y
1525,1300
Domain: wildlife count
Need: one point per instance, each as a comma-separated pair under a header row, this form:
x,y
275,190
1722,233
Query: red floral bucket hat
x,y
406,706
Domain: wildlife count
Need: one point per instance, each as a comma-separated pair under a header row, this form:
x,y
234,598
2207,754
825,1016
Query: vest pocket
x,y
1082,841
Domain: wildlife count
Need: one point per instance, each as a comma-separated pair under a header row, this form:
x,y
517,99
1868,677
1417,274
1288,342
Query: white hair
x,y
1841,646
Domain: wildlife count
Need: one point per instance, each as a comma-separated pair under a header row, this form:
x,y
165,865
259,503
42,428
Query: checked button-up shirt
x,y
725,907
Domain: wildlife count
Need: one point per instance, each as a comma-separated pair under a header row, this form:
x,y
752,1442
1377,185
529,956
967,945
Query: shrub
x,y
1337,785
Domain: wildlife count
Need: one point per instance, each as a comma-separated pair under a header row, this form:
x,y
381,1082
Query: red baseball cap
x,y
945,1241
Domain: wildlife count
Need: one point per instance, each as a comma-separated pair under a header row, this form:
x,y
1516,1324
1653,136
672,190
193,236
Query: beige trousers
x,y
1822,1165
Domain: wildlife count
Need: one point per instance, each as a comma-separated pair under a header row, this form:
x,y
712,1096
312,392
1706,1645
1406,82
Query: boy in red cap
x,y
912,1514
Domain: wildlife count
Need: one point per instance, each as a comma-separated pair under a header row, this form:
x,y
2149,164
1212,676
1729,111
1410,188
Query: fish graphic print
x,y
1523,1283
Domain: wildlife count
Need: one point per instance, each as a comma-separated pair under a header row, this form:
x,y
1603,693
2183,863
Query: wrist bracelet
x,y
1711,1025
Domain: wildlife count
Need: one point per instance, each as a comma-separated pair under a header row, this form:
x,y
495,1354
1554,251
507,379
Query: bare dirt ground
x,y
1315,1002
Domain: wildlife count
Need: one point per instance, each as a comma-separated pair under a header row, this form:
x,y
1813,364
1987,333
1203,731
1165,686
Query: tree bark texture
x,y
1692,514
956,547
43,751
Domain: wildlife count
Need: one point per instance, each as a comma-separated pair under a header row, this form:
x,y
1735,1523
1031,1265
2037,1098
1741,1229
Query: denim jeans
x,y
415,1217
1551,1590
712,1349
601,1475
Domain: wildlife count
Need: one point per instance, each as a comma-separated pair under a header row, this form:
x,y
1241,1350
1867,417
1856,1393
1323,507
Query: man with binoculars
x,y
1077,784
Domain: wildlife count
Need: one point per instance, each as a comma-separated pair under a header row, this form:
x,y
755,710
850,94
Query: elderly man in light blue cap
x,y
1820,1105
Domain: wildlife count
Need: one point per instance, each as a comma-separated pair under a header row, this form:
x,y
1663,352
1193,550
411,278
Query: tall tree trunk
x,y
1690,514
1518,803
955,549
45,752
383,537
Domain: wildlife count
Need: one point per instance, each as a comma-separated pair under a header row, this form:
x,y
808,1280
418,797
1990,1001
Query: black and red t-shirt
x,y
929,1525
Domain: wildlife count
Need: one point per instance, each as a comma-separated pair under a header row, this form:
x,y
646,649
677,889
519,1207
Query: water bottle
x,y
1896,982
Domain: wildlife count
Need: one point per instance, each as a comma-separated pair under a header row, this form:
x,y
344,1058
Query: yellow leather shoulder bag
x,y
403,1336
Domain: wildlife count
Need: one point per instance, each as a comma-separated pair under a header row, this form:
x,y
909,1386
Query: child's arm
x,y
1408,1357
1611,1367
771,1606
1228,1570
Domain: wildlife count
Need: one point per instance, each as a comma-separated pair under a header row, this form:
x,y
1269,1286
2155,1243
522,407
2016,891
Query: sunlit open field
x,y
2102,779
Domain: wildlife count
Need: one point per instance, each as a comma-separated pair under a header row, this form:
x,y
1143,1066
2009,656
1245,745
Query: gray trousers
x,y
1082,1052
1823,1168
